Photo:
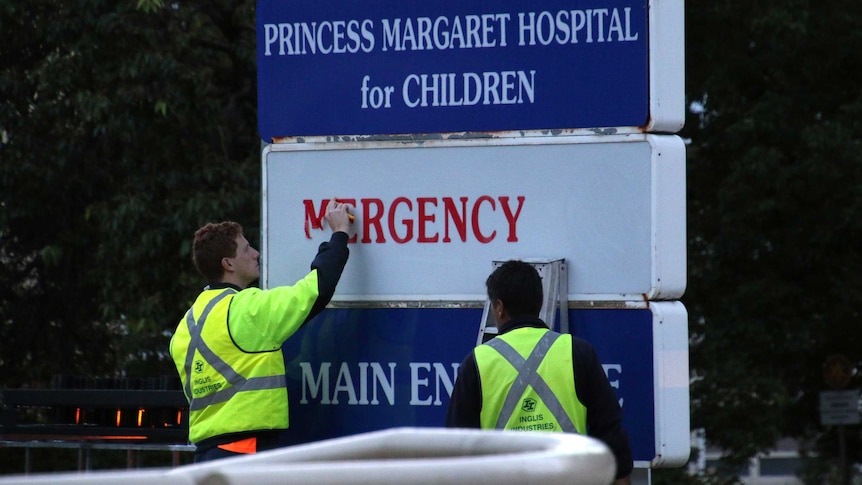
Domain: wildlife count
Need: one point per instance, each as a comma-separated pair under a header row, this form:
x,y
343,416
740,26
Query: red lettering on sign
x,y
425,218
408,223
369,220
312,219
420,220
315,220
512,219
478,233
459,220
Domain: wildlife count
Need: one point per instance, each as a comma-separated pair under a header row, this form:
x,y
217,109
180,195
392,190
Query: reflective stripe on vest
x,y
528,375
238,383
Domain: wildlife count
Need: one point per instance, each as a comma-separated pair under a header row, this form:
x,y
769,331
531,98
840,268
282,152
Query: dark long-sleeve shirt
x,y
604,415
329,263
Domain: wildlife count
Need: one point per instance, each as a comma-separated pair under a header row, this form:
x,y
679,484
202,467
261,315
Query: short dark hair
x,y
518,285
212,243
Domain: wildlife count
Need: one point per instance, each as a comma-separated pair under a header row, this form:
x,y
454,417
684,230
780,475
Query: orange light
x,y
118,418
114,438
179,416
140,416
77,415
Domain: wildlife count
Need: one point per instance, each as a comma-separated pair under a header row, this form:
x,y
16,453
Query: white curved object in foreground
x,y
400,455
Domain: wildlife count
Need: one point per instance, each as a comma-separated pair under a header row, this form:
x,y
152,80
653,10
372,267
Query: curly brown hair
x,y
212,243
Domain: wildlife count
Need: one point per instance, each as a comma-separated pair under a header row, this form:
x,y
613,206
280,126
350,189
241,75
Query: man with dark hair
x,y
227,348
532,378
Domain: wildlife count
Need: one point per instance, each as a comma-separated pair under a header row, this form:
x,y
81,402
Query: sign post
x,y
840,406
464,133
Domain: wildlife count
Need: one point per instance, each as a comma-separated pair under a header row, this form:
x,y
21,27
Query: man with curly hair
x,y
228,346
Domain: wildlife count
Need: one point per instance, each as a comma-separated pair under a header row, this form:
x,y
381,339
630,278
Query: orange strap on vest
x,y
246,446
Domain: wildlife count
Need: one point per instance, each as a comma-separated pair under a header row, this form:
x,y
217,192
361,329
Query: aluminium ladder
x,y
555,288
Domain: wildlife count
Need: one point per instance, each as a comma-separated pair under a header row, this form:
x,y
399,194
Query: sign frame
x,y
658,255
354,369
295,91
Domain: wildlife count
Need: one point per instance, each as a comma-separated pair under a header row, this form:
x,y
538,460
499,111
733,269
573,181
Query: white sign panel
x,y
432,215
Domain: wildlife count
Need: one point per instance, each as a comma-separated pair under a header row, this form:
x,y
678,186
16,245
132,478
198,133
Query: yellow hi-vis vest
x,y
228,390
528,382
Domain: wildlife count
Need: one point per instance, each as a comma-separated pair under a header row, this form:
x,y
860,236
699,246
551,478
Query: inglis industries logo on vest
x,y
532,422
199,366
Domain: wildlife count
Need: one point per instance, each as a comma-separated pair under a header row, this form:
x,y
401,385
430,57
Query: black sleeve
x,y
604,415
466,401
329,263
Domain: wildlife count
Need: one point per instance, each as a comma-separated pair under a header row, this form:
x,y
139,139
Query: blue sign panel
x,y
329,67
364,369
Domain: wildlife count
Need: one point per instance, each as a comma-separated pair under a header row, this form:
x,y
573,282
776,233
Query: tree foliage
x,y
124,127
774,193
